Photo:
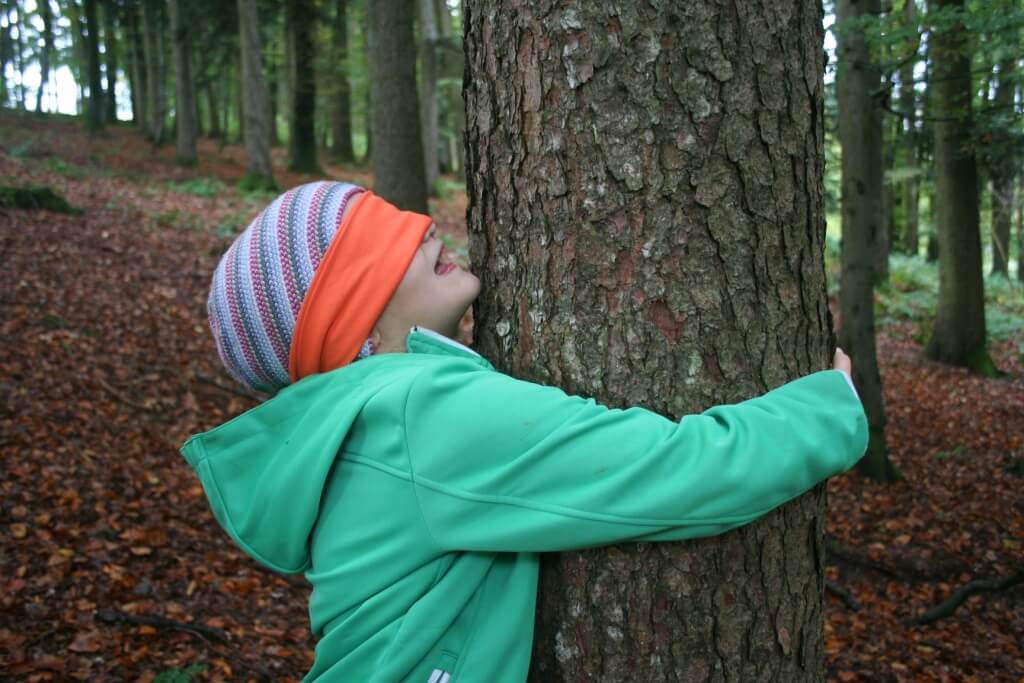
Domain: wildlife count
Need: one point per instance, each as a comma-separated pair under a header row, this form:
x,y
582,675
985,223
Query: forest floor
x,y
112,568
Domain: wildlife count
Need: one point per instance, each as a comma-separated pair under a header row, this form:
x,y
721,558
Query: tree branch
x,y
946,608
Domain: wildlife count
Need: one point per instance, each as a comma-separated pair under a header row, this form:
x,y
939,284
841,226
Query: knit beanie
x,y
261,281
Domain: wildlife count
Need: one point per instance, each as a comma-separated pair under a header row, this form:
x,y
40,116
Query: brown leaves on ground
x,y
112,568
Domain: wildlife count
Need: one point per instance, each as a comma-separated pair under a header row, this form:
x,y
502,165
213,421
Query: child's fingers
x,y
840,361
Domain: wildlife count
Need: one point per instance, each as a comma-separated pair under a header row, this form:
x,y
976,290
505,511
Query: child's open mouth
x,y
444,268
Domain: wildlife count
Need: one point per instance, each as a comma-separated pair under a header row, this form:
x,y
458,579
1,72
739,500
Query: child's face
x,y
434,293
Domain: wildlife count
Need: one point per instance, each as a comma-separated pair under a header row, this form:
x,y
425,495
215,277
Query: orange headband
x,y
359,273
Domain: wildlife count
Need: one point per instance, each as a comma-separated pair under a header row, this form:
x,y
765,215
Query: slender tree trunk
x,y
1004,174
153,46
646,214
958,336
860,134
213,109
428,93
256,100
1020,227
140,97
397,142
302,139
184,102
46,16
19,52
110,63
94,112
5,56
908,103
341,112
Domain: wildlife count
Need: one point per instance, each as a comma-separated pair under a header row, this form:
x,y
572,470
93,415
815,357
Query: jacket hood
x,y
264,471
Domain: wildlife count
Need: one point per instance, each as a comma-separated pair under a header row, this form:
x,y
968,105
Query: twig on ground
x,y
947,607
843,594
112,616
237,392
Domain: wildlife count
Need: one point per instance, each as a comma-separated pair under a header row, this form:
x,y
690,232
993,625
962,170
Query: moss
x,y
876,464
980,363
34,198
257,182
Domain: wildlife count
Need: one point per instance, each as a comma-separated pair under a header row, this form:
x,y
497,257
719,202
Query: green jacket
x,y
416,490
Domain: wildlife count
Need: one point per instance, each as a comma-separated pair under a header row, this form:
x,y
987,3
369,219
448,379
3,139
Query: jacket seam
x,y
408,458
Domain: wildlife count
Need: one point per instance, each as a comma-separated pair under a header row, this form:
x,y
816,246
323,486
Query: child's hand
x,y
842,362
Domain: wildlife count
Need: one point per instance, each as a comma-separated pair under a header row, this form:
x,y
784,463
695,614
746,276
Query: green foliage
x,y
200,187
185,675
65,168
34,198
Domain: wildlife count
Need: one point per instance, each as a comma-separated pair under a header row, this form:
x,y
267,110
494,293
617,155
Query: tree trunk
x,y
110,62
341,112
958,336
1004,174
259,171
860,135
19,52
1020,227
428,93
94,111
302,138
397,143
646,215
153,46
213,110
908,104
184,102
46,15
138,71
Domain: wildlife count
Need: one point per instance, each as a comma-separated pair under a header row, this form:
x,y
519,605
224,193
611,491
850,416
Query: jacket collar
x,y
423,340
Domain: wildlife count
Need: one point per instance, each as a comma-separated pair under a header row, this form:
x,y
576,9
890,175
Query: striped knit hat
x,y
260,283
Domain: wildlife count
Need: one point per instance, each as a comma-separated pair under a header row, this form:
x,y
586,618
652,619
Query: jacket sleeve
x,y
500,464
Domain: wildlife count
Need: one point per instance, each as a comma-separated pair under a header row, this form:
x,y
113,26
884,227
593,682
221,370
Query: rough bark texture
x,y
341,111
397,151
646,215
302,138
184,97
910,240
94,111
256,100
428,92
958,336
860,135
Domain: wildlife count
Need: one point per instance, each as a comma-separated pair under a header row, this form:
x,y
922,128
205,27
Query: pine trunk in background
x,y
341,111
94,107
302,136
958,335
395,117
1004,173
156,105
19,51
1020,227
184,102
910,241
214,129
259,172
46,16
860,136
109,8
138,70
646,215
428,93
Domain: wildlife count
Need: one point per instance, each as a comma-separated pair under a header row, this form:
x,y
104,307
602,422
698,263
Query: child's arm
x,y
505,465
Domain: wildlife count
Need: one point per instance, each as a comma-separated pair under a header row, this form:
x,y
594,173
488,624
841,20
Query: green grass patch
x,y
65,168
200,187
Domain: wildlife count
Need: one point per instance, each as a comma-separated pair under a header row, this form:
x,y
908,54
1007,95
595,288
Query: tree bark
x,y
184,98
1004,176
46,16
395,118
259,170
908,104
302,138
138,71
155,94
428,93
860,135
958,335
646,215
341,112
110,60
94,110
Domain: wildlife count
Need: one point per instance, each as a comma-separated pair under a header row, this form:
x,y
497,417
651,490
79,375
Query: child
x,y
416,487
